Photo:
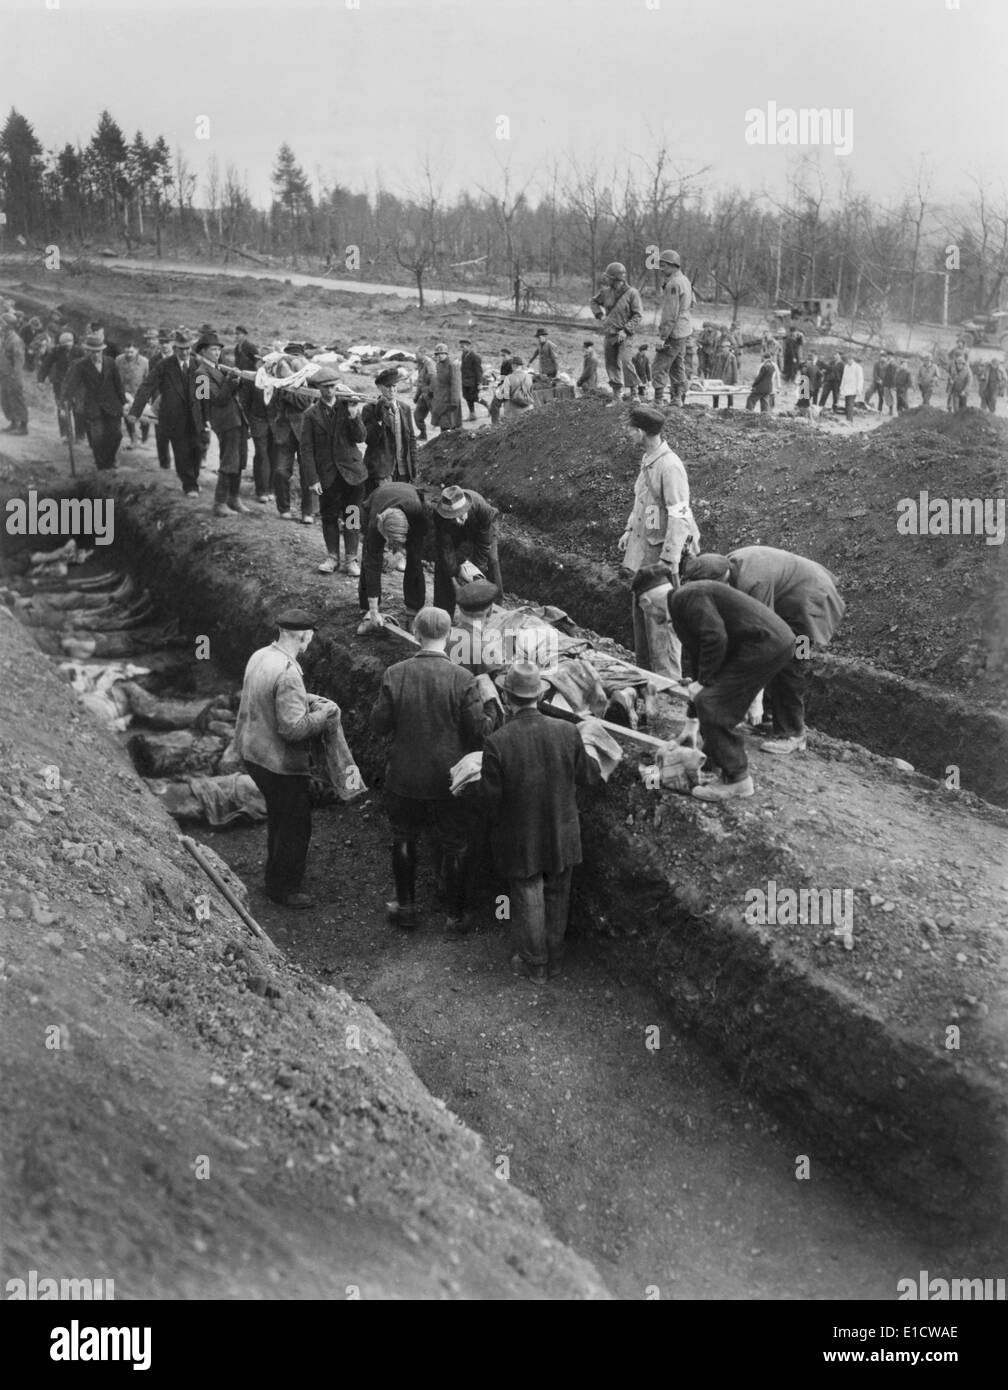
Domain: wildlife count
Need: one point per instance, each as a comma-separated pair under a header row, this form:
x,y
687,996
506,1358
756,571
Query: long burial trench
x,y
851,1045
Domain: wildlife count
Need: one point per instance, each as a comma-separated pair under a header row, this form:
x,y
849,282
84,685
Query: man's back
x,y
431,707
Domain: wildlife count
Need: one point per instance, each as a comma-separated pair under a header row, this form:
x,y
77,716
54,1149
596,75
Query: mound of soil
x,y
925,607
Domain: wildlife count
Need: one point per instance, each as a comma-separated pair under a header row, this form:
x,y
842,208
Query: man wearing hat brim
x,y
227,417
734,646
531,768
53,368
620,311
675,329
276,718
12,360
471,371
546,354
465,528
391,450
446,392
183,410
331,462
804,595
659,530
95,387
393,515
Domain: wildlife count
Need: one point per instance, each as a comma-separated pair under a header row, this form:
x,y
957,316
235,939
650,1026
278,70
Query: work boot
x,y
725,791
796,743
294,900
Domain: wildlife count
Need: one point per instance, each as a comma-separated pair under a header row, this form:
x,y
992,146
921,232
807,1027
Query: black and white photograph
x,y
503,670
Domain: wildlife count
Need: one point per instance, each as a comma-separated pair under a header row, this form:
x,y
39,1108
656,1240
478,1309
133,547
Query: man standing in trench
x,y
276,718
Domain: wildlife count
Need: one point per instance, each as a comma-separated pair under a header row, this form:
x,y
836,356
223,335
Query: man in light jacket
x,y
276,718
659,528
851,384
675,328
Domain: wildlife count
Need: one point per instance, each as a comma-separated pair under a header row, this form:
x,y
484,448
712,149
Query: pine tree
x,y
21,170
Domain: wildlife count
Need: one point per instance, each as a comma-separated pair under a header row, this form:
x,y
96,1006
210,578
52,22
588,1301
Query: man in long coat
x,y
333,466
531,768
471,370
183,409
96,379
12,360
390,435
446,392
801,592
228,421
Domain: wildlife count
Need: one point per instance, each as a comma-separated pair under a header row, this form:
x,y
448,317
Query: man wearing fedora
x,y
531,768
227,419
546,355
393,515
471,370
276,718
446,391
333,467
183,410
433,711
95,379
12,360
465,528
390,435
734,646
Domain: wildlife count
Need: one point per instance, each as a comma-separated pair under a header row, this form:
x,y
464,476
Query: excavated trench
x,y
926,1126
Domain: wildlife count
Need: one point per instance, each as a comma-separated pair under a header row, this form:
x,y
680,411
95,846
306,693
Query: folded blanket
x,y
600,745
466,771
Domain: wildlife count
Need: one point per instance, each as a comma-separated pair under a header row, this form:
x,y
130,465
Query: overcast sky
x,y
365,92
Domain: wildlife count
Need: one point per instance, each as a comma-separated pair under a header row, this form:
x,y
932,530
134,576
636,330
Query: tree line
x,y
546,237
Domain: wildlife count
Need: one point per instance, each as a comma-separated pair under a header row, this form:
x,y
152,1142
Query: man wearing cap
x,y
248,356
762,389
465,528
804,595
390,435
531,768
183,411
394,514
588,380
227,419
675,328
333,466
446,395
433,710
619,309
12,360
54,367
96,379
133,367
734,646
276,718
546,354
658,530
424,392
471,370
285,414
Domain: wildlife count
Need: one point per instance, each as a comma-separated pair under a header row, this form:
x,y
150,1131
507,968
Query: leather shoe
x,y
297,900
520,966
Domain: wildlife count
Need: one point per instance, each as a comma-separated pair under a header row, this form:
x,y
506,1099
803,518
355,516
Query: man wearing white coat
x,y
851,384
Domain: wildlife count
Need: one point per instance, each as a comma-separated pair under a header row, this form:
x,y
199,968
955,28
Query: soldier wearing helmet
x,y
675,328
619,309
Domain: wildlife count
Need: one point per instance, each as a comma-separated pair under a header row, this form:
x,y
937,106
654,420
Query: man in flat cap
x,y
12,361
95,380
276,718
183,410
390,435
675,328
433,711
802,593
53,368
471,371
734,646
227,418
446,394
333,465
393,515
531,768
659,529
465,529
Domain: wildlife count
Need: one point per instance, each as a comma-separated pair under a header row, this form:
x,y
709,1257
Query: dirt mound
x,y
926,607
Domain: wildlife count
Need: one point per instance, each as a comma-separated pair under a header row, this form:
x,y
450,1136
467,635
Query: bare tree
x,y
590,201
506,207
921,194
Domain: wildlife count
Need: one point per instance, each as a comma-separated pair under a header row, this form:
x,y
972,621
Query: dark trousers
x,y
848,403
540,907
161,443
470,394
787,693
876,390
420,414
187,451
340,507
830,392
282,465
670,366
262,472
12,400
131,430
764,403
413,584
444,586
723,704
901,402
104,435
288,827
